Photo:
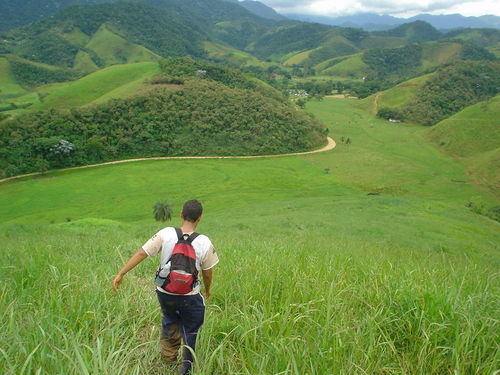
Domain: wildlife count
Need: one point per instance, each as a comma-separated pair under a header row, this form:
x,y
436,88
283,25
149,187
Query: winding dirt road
x,y
330,146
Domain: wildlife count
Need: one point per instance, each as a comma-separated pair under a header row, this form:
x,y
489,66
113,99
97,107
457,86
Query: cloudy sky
x,y
400,8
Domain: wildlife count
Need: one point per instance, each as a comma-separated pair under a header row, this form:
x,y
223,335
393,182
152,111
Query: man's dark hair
x,y
192,210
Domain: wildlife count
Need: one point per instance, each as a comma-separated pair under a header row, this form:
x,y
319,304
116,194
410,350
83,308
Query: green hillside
x,y
233,56
417,31
473,136
401,94
95,85
289,38
487,38
30,74
435,54
298,58
396,64
453,88
132,32
434,97
373,240
117,81
111,49
10,86
353,67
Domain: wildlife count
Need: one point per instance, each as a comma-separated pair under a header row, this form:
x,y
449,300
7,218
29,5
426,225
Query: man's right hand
x,y
207,294
116,282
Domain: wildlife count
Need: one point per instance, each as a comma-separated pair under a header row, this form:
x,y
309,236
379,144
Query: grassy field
x,y
360,260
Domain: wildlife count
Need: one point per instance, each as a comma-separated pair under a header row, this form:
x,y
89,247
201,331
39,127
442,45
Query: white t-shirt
x,y
164,241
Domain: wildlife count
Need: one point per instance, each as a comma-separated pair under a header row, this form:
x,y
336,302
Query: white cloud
x,y
393,7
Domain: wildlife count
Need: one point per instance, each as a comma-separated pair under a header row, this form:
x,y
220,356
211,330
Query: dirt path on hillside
x,y
330,146
340,96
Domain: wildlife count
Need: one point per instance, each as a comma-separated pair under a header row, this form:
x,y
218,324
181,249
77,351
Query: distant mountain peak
x,y
261,10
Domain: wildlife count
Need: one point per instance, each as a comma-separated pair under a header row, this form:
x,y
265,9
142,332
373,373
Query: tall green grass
x,y
300,303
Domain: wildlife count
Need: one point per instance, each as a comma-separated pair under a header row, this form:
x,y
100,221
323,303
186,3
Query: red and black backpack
x,y
179,275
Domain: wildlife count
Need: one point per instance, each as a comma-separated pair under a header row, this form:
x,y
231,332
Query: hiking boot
x,y
185,368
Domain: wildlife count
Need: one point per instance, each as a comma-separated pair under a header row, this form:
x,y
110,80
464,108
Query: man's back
x,y
164,242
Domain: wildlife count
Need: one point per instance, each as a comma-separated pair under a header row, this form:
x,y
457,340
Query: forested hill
x,y
16,13
57,40
220,112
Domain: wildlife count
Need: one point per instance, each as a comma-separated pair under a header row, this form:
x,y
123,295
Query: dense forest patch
x,y
452,89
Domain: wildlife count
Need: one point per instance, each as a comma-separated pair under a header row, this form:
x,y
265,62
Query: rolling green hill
x,y
434,97
117,81
111,48
473,136
417,31
487,38
400,95
130,29
226,54
10,86
282,40
352,67
93,86
453,88
397,63
227,113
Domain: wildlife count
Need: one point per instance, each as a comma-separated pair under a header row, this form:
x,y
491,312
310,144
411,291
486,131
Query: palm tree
x,y
162,211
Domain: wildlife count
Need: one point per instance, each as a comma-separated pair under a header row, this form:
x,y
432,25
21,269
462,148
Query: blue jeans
x,y
184,315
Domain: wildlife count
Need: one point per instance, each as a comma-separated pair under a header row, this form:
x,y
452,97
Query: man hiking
x,y
183,253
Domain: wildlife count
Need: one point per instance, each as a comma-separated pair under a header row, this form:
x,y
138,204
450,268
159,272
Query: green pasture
x,y
401,94
93,86
438,53
9,87
473,136
360,260
353,67
232,55
84,63
299,58
374,41
329,63
113,49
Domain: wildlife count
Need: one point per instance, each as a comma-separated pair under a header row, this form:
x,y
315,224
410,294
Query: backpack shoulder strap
x,y
179,233
192,237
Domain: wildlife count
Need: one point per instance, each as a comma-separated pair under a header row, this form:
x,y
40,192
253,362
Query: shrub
x,y
162,211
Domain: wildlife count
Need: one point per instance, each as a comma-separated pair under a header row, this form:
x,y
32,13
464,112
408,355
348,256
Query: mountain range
x,y
17,13
375,22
